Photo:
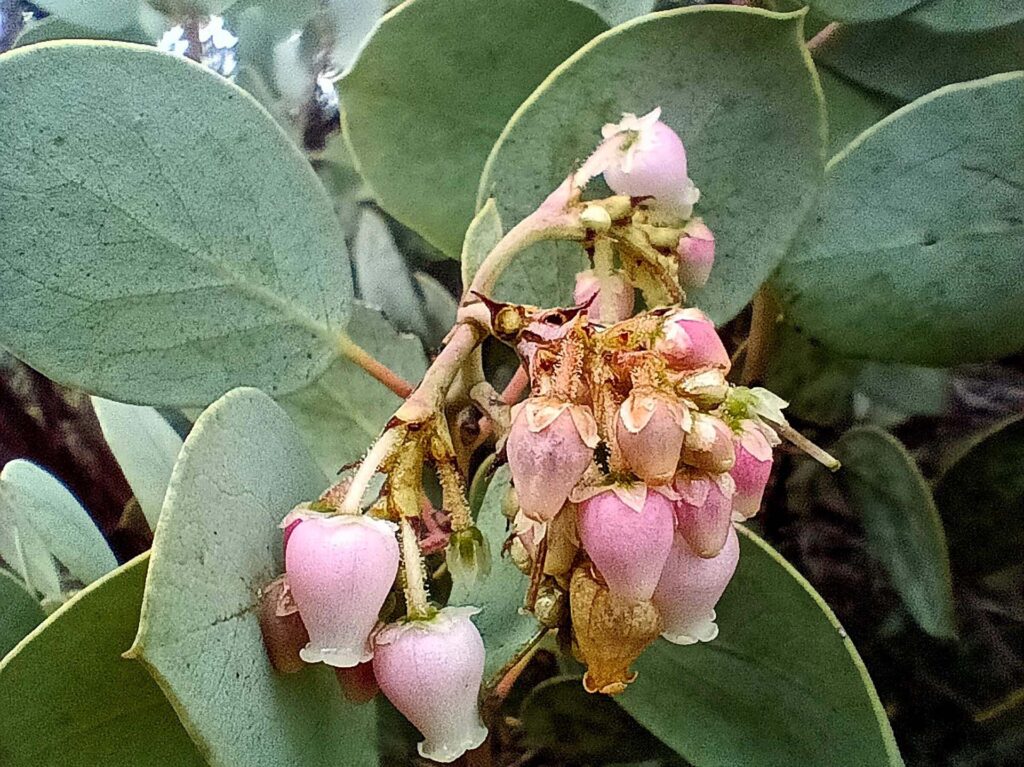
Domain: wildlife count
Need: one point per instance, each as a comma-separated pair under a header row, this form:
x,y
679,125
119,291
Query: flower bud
x,y
751,470
708,445
610,298
563,543
650,431
646,158
628,546
610,633
689,341
283,633
549,447
704,511
340,570
467,556
431,671
689,589
358,684
696,250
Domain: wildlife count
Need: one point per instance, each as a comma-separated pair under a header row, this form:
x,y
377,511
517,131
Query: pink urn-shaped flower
x,y
610,297
431,671
646,158
696,252
689,341
650,431
689,589
340,570
751,470
704,511
709,444
549,446
627,545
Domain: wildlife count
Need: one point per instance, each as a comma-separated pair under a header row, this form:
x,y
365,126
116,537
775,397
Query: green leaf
x,y
99,15
852,11
242,468
40,500
737,86
907,60
432,89
920,222
439,309
981,499
506,631
968,15
54,28
145,446
24,551
484,232
383,276
343,411
71,700
618,11
903,527
150,249
851,109
21,612
577,727
781,685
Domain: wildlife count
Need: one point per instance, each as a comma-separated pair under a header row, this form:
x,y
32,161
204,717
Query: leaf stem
x,y
515,388
826,32
377,369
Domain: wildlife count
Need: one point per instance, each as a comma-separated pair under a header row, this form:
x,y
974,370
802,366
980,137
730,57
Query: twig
x,y
827,31
513,391
761,337
381,372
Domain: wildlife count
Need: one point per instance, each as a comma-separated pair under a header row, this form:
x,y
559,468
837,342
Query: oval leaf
x,y
737,86
24,551
42,502
781,685
851,109
71,700
903,527
242,468
850,11
908,60
21,612
968,15
433,88
158,228
145,446
921,220
505,629
981,499
618,11
343,411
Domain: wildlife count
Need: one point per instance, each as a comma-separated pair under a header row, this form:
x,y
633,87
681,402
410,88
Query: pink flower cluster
x,y
651,455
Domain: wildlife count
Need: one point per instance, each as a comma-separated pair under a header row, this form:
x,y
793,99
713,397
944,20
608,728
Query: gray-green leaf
x,y
781,685
71,700
145,447
737,86
921,223
164,241
22,612
433,88
40,501
903,527
242,468
981,499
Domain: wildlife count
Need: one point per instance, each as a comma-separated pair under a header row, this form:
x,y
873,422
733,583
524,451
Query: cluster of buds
x,y
631,459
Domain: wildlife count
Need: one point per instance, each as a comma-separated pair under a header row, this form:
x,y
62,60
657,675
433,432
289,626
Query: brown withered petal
x,y
283,632
610,633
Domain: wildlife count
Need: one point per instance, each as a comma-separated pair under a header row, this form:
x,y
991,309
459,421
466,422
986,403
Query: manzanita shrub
x,y
379,503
